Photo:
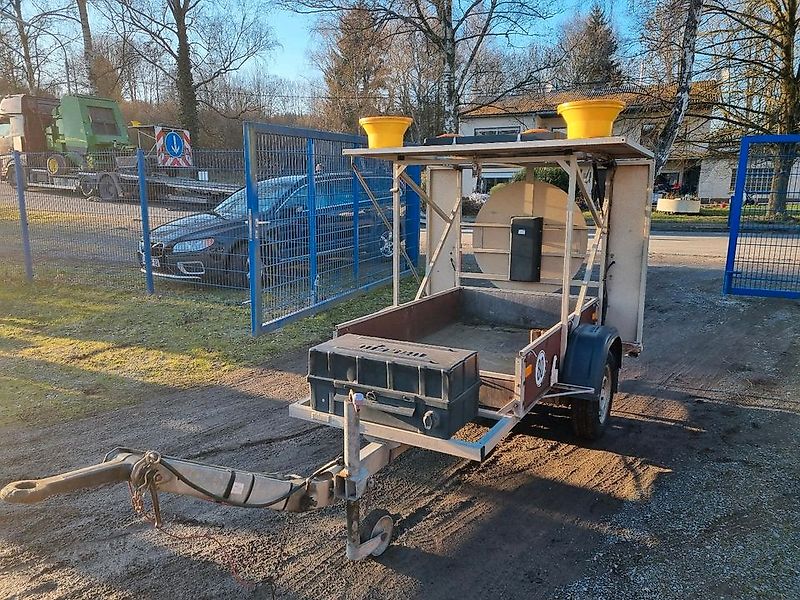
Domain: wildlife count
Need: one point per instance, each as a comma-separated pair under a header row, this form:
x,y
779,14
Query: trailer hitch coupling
x,y
160,473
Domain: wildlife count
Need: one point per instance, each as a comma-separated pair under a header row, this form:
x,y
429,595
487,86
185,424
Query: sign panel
x,y
173,147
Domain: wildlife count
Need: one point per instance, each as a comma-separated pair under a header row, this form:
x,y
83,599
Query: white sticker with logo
x,y
541,367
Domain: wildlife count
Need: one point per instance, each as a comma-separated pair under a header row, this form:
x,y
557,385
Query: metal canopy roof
x,y
616,147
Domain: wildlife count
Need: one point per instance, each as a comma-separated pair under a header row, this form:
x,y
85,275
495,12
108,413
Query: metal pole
x,y
352,464
253,237
735,214
396,241
566,274
412,214
19,175
356,187
312,219
143,204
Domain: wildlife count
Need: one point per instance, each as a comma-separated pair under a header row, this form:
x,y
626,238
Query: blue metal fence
x,y
315,235
764,246
284,223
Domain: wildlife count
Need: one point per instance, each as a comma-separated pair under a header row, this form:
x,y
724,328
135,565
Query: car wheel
x,y
11,177
237,267
385,246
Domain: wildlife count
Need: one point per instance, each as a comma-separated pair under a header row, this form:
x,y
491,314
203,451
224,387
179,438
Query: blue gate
x,y
315,235
764,246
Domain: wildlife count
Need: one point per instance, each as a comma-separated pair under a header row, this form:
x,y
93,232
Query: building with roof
x,y
691,168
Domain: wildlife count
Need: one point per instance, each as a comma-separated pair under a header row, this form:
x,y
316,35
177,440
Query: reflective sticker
x,y
541,367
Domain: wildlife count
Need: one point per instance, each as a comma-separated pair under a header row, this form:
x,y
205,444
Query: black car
x,y
212,246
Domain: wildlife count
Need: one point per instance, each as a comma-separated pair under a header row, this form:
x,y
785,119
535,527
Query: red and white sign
x,y
173,147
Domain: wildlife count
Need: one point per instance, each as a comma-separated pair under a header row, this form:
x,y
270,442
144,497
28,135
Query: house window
x,y
496,130
758,179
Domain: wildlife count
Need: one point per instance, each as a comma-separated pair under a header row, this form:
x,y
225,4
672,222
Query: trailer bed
x,y
497,346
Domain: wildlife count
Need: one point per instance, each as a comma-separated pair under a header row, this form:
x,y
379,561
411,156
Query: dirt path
x,y
681,498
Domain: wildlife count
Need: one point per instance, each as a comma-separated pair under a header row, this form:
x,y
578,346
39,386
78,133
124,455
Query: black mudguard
x,y
587,348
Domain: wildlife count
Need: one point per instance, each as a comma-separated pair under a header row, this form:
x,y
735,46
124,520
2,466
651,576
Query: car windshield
x,y
270,192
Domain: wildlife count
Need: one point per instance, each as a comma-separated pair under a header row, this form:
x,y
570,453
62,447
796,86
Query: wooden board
x,y
522,199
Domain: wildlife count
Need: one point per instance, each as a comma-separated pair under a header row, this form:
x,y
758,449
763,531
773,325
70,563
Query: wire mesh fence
x,y
83,222
324,229
11,247
197,222
764,248
312,230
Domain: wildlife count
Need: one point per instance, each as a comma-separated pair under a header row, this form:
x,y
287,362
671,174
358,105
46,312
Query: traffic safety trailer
x,y
527,304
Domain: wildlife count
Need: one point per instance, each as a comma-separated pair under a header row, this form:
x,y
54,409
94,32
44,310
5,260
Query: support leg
x,y
376,540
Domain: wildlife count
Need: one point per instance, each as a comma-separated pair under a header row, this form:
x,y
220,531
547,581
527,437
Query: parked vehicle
x,y
212,246
81,144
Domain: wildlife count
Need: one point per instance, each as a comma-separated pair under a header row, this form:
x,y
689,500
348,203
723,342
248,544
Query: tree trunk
x,y
187,94
681,102
25,44
88,47
451,100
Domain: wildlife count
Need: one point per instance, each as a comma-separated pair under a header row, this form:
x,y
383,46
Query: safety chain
x,y
148,468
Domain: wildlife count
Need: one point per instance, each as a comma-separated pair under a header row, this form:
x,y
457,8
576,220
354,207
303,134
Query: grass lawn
x,y
69,349
712,214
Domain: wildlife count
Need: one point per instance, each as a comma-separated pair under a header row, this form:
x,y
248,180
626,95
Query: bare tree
x,y
456,32
198,41
683,81
753,45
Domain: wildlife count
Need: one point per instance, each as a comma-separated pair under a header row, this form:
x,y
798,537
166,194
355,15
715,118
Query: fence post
x,y
413,215
735,214
356,187
253,236
312,218
144,205
19,175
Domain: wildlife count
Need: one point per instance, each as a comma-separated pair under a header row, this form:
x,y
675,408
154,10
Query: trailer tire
x,y
56,164
107,189
11,177
88,187
377,523
591,414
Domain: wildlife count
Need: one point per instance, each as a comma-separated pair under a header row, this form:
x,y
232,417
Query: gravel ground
x,y
692,493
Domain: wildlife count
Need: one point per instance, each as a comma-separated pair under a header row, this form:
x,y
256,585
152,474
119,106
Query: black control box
x,y
526,248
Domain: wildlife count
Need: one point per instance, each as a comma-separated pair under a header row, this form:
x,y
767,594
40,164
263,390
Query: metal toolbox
x,y
416,387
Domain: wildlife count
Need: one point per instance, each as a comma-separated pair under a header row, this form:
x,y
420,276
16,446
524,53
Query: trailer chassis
x,y
346,478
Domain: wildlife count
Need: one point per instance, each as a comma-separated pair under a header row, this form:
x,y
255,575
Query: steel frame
x,y
735,220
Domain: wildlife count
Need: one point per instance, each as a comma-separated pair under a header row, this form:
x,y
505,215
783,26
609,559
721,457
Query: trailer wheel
x,y
87,187
590,415
106,189
56,164
377,523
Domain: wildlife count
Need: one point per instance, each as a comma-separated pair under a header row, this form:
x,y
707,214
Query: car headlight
x,y
192,245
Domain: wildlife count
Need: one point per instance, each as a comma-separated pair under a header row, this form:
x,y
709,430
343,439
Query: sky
x,y
293,32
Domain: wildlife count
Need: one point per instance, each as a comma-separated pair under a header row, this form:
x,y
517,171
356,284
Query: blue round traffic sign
x,y
173,142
